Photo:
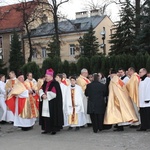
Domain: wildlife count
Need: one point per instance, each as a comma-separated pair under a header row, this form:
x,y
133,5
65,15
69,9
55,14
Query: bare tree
x,y
55,5
30,12
101,5
3,14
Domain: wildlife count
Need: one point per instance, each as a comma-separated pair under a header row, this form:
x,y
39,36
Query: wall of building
x,y
42,42
37,43
40,15
6,46
70,39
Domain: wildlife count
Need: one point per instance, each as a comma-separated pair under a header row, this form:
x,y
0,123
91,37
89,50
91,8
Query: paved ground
x,y
15,139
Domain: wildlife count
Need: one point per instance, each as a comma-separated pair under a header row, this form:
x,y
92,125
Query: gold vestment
x,y
120,108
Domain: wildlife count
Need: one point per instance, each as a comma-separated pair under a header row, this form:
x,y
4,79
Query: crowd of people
x,y
121,99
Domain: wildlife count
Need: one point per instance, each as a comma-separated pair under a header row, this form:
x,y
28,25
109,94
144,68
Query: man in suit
x,y
95,92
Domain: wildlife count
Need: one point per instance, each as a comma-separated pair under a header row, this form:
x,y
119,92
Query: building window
x,y
77,26
34,53
1,57
72,49
44,54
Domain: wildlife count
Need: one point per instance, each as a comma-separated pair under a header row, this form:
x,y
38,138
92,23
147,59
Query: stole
x,y
73,118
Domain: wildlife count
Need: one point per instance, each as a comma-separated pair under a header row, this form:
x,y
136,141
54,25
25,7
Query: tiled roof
x,y
70,26
11,16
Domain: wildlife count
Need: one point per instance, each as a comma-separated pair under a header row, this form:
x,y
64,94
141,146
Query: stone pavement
x,y
12,138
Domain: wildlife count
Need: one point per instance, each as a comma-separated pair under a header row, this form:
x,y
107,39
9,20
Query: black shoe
x,y
3,122
89,124
135,127
24,128
118,129
30,128
77,129
70,128
116,126
53,133
95,131
11,122
141,129
44,132
107,127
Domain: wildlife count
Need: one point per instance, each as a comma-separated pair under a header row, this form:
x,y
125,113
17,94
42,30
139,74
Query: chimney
x,y
82,14
94,12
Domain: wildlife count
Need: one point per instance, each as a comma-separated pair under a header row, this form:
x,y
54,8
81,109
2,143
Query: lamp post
x,y
103,34
1,55
1,50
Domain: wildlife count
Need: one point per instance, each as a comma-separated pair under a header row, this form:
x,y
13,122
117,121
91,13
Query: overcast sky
x,y
69,8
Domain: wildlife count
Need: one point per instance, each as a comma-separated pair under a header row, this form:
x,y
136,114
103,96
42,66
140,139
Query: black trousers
x,y
145,117
97,121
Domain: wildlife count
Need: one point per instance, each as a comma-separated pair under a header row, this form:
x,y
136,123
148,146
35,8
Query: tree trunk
x,y
56,32
30,44
138,20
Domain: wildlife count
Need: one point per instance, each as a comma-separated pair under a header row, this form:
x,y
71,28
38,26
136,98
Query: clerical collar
x,y
123,77
14,78
143,78
72,85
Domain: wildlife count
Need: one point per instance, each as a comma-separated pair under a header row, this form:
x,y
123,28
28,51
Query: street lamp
x,y
1,55
1,50
103,34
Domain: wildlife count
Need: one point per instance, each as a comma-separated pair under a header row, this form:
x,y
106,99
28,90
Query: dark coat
x,y
95,92
55,121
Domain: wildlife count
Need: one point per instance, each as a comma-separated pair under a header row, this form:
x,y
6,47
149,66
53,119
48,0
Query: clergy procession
x,y
55,102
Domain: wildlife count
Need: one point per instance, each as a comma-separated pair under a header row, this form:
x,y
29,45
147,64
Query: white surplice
x,y
79,108
144,93
2,101
22,122
64,91
45,107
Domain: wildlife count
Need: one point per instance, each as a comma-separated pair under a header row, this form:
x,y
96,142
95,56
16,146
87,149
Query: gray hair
x,y
84,70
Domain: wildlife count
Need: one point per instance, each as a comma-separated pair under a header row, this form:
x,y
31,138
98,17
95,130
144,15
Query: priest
x,y
120,108
82,81
144,100
133,90
51,113
9,86
32,87
125,79
18,102
64,91
74,108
